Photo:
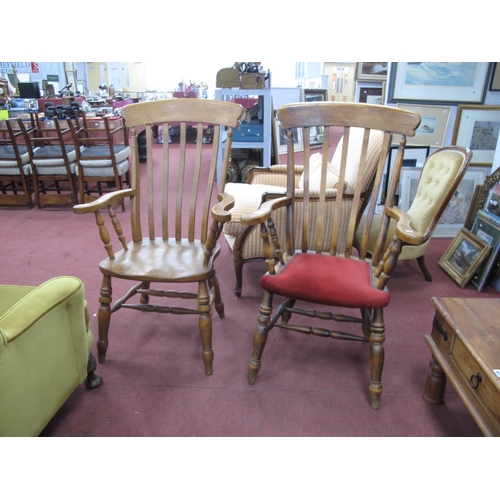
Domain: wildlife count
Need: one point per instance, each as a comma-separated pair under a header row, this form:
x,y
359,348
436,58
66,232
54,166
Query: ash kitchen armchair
x,y
322,283
174,197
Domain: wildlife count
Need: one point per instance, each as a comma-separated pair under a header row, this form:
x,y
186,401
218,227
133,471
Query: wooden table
x,y
465,346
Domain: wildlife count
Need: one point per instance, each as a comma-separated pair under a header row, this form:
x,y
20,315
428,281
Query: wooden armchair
x,y
15,163
264,184
321,284
176,192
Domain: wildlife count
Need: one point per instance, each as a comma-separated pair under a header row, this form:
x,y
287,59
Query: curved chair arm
x,y
404,231
220,211
265,210
104,201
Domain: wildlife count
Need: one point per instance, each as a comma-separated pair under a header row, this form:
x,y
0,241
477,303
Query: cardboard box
x,y
253,80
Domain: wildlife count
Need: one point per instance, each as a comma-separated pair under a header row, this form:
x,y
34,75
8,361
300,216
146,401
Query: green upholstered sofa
x,y
45,352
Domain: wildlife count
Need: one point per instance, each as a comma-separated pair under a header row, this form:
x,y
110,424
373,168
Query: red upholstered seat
x,y
306,277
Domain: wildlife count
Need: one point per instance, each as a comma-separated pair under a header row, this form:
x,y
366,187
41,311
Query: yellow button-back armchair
x,y
45,352
316,272
441,174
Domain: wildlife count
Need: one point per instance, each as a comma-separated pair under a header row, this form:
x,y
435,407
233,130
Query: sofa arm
x,y
273,176
45,344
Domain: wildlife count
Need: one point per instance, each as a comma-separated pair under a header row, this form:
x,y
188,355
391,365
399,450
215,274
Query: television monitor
x,y
29,90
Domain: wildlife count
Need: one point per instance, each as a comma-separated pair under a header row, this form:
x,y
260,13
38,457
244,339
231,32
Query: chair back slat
x,y
338,189
185,169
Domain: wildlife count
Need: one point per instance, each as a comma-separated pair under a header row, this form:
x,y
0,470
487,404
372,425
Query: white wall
x,y
166,76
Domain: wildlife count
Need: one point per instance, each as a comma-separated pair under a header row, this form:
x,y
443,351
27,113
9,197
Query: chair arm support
x,y
220,211
264,211
404,231
103,201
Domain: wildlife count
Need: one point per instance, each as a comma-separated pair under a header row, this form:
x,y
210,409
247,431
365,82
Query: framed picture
x,y
370,93
486,196
443,82
432,128
372,71
495,77
311,95
487,228
464,256
456,213
477,128
298,140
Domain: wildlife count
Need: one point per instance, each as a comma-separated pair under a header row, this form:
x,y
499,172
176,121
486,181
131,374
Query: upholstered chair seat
x,y
49,160
8,161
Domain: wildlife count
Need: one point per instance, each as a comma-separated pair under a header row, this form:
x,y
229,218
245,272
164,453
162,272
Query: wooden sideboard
x,y
465,346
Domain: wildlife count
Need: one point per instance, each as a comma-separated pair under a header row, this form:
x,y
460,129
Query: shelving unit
x,y
263,140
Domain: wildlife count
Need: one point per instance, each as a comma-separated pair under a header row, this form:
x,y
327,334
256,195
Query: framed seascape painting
x,y
477,128
464,256
432,128
443,82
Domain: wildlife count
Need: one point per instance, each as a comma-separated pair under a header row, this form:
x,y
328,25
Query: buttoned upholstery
x,y
441,174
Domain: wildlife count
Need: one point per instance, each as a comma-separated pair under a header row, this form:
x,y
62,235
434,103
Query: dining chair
x,y
102,157
54,162
16,187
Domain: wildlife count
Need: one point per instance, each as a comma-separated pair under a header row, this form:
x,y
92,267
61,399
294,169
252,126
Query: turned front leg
x,y
103,318
377,356
260,337
205,324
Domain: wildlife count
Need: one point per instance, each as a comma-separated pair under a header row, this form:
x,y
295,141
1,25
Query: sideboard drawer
x,y
479,379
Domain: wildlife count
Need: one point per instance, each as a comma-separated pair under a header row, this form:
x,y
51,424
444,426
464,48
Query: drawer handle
x,y
475,380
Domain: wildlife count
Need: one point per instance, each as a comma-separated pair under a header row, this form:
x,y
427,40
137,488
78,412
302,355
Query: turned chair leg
x,y
377,338
260,337
205,325
103,318
213,282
